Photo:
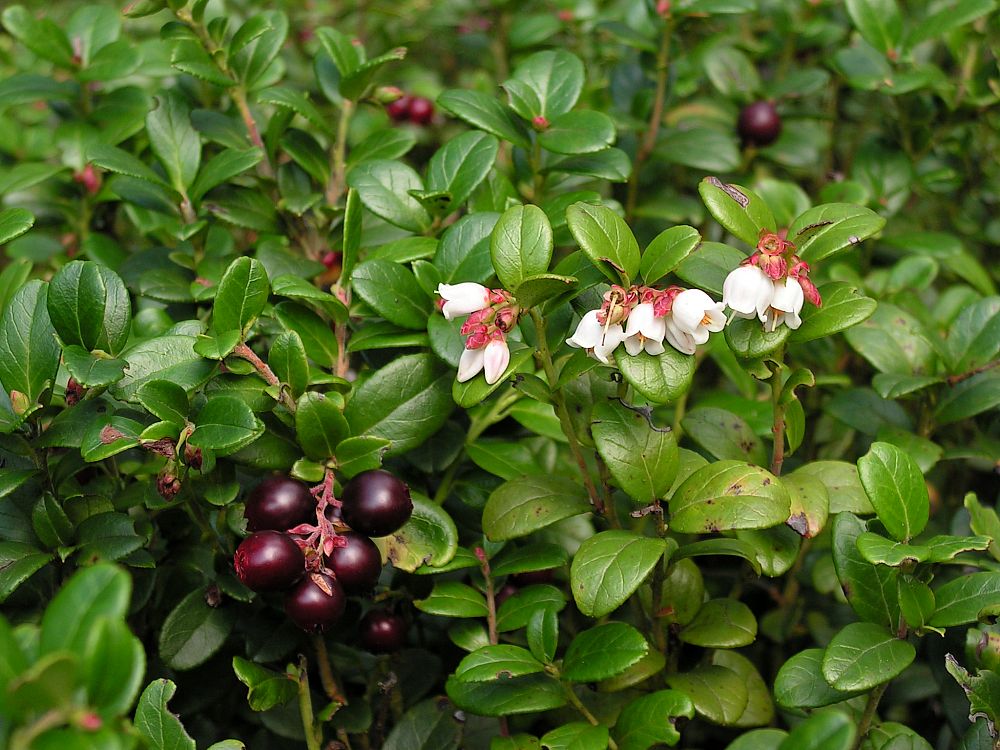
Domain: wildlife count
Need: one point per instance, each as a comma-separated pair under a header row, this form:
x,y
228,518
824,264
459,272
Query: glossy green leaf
x,y
606,239
826,730
320,424
843,307
521,245
961,600
174,140
92,371
662,378
896,489
728,495
666,252
429,725
18,562
267,688
879,21
581,132
721,623
501,662
241,296
485,113
224,425
602,652
428,538
520,695
718,694
89,306
94,593
800,682
741,212
609,567
830,228
724,435
863,655
525,504
113,665
650,720
384,187
29,352
13,223
546,84
516,612
461,164
641,457
194,631
453,599
871,590
157,724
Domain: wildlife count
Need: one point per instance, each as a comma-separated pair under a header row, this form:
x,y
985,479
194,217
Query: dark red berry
x,y
268,561
399,110
332,258
421,110
376,503
357,564
279,503
382,632
759,124
534,576
311,607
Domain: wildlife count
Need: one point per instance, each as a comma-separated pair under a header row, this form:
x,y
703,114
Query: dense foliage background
x,y
226,242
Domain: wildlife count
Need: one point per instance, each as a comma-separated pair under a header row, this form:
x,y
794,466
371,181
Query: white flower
x,y
462,299
471,363
695,313
644,331
598,340
786,304
678,338
496,357
748,291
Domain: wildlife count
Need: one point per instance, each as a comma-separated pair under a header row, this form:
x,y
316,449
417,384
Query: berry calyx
x,y
399,110
382,632
279,503
357,564
376,503
315,603
759,124
421,110
268,561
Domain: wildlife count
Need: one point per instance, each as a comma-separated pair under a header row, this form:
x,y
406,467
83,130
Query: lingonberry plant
x,y
504,376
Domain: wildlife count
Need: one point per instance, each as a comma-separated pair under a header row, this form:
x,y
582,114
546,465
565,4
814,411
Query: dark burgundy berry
x,y
421,110
534,576
312,608
357,565
382,632
759,124
268,561
399,110
376,503
279,503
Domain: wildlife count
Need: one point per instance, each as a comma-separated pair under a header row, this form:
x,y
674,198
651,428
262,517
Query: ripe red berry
x,y
312,608
759,124
382,632
357,565
376,503
279,503
421,110
399,110
268,561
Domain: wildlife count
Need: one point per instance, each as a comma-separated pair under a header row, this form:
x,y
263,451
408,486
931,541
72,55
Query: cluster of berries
x,y
318,549
417,109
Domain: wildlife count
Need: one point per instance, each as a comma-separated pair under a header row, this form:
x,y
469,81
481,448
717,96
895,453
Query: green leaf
x,y
896,489
174,140
842,483
241,296
320,425
606,239
353,85
194,631
531,557
879,550
667,250
345,55
525,504
611,164
405,402
543,633
41,36
879,22
460,165
701,148
662,378
721,623
534,290
113,665
393,292
476,390
13,223
642,458
108,536
800,683
749,340
358,454
486,113
581,132
724,435
950,16
384,187
117,160
603,651
609,567
298,102
719,546
732,73
650,720
428,538
254,64
578,735
973,396
982,690
94,593
89,306
974,336
224,425
843,307
29,352
961,600
728,495
546,84
453,599
718,693
893,341
92,371
521,245
222,167
165,400
157,724
516,612
742,213
520,695
18,562
826,730
863,655
871,590
760,707
317,336
267,688
429,725
287,359
810,503
828,229
708,265
497,663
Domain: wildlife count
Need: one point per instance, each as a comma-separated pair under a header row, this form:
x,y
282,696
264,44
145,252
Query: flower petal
x,y
588,333
470,364
495,360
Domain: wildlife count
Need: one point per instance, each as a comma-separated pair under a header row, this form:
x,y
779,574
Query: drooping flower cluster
x,y
492,313
643,318
771,284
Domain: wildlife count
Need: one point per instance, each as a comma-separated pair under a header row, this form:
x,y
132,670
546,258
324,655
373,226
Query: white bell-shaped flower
x,y
599,341
679,338
462,299
786,304
496,357
644,331
471,363
697,314
748,291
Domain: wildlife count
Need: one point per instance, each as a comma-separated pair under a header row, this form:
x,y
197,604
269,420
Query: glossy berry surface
x,y
268,561
279,503
759,124
376,503
357,565
421,110
382,632
399,110
311,608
